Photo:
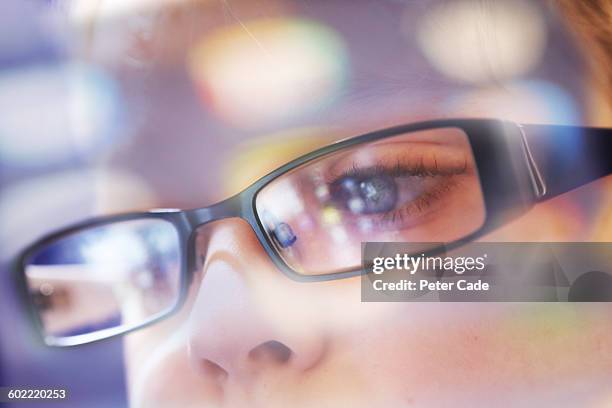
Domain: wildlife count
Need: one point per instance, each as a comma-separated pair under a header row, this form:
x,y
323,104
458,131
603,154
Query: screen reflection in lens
x,y
416,187
114,275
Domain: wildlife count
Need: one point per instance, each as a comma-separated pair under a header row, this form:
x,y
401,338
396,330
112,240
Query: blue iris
x,y
366,195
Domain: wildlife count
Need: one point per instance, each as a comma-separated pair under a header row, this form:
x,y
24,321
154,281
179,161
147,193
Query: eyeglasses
x,y
444,181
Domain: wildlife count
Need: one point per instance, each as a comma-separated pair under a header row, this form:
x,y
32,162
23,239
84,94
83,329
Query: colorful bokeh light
x,y
476,42
56,112
257,73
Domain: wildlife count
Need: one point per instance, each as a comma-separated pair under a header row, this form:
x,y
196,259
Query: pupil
x,y
379,194
366,195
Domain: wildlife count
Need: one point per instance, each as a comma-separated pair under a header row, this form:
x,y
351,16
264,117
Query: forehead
x,y
228,73
200,83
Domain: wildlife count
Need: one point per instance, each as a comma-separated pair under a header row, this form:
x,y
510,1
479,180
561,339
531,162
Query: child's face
x,y
248,336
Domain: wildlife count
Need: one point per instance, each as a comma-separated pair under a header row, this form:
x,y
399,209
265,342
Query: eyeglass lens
x,y
115,275
421,186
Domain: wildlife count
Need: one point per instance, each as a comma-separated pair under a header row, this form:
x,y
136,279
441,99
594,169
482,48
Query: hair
x,y
591,20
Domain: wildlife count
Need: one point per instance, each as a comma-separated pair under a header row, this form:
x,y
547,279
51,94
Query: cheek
x,y
560,219
160,373
153,357
453,349
390,352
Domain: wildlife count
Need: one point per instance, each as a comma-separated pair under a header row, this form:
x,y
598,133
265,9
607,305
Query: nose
x,y
247,317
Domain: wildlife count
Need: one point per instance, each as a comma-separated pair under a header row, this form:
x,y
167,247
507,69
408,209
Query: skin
x,y
219,351
249,337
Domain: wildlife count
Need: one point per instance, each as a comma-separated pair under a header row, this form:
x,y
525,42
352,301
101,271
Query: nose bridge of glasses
x,y
229,208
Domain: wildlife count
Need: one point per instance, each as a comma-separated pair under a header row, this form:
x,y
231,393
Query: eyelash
x,y
418,205
401,169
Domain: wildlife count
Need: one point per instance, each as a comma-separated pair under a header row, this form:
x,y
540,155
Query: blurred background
x,y
116,105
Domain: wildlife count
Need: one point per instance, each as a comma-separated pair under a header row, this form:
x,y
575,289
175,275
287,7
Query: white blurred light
x,y
356,205
475,41
268,70
55,112
85,11
322,192
116,251
282,199
339,235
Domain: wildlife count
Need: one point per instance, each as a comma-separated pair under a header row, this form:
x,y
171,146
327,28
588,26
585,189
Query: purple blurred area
x,y
135,109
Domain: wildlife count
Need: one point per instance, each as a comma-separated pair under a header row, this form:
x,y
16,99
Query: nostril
x,y
213,371
271,350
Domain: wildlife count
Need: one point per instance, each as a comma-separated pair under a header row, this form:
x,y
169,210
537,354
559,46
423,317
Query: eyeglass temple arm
x,y
568,157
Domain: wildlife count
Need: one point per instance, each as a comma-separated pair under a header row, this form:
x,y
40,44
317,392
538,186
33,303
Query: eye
x,y
372,194
393,192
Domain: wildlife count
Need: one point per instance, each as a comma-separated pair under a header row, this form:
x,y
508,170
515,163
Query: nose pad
x,y
284,235
246,316
281,232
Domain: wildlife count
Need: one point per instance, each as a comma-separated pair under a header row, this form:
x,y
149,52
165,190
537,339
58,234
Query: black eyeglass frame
x,y
510,179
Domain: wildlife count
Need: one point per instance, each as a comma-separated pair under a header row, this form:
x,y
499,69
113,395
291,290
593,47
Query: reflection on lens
x,y
417,187
111,276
